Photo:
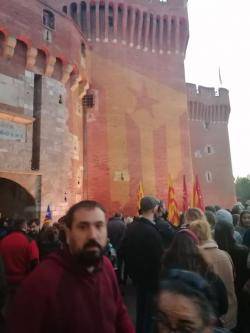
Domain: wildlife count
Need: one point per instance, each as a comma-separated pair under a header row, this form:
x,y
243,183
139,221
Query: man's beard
x,y
88,257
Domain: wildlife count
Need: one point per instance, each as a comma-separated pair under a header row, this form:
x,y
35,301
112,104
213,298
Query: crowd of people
x,y
68,276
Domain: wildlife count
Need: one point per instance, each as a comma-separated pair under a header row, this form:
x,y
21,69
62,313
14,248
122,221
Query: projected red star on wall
x,y
143,100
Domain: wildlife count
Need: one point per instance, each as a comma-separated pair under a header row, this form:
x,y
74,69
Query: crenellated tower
x,y
137,128
209,111
42,83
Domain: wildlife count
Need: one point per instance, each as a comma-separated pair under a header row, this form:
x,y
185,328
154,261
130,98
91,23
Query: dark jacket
x,y
3,285
61,297
166,230
142,250
116,232
239,256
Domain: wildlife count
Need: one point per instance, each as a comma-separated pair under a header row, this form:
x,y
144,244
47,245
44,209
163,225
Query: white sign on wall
x,y
12,131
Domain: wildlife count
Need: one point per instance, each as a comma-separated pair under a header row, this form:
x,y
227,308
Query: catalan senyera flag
x,y
48,216
198,201
139,194
185,205
173,212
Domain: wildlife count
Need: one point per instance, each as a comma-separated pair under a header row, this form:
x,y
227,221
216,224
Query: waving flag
x,y
173,212
48,216
185,195
139,194
197,195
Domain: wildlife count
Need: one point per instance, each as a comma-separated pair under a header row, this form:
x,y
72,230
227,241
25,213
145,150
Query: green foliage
x,y
243,188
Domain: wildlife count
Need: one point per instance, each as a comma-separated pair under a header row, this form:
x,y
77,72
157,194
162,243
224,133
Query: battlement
x,y
208,104
44,48
160,27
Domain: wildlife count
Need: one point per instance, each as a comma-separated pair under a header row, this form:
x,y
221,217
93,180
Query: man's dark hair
x,y
210,209
85,204
18,224
36,221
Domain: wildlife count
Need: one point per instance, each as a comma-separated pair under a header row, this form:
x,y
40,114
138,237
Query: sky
x,y
220,37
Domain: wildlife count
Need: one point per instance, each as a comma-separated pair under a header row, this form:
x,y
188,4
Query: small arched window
x,y
209,150
209,177
48,19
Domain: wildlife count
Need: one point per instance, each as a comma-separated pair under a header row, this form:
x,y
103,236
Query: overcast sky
x,y
220,37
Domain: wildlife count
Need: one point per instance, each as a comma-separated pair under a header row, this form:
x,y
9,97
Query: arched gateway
x,y
15,201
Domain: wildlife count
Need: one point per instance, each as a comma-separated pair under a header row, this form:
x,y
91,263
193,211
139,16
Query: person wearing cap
x,y
223,215
142,250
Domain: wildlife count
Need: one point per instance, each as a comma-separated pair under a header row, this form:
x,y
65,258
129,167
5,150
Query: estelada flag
x,y
198,201
139,194
48,216
185,195
173,212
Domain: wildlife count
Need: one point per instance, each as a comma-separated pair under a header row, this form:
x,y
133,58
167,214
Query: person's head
x,y
202,230
245,219
210,209
86,232
216,207
162,210
33,226
149,207
193,214
118,216
224,235
20,225
236,219
238,208
211,218
184,304
223,215
184,252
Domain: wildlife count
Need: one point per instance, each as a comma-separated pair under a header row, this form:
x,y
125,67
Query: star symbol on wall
x,y
143,100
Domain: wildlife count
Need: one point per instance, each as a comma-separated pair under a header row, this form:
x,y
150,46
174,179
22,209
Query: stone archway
x,y
16,201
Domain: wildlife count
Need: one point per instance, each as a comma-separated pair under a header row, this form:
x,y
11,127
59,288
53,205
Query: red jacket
x,y
58,297
18,252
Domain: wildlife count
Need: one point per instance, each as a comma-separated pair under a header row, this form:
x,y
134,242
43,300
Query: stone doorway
x,y
16,201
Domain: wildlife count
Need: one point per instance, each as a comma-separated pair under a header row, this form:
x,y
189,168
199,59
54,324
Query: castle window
x,y
88,101
48,19
208,176
209,150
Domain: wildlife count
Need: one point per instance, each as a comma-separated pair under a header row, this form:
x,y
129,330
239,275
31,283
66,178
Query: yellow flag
x,y
139,194
173,212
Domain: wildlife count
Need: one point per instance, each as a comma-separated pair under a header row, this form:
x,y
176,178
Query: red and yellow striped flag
x,y
198,201
173,212
139,194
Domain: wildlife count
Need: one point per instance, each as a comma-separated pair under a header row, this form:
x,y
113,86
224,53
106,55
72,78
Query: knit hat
x,y
148,203
223,215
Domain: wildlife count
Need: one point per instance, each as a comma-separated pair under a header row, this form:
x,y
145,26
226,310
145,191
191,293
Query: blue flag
x,y
48,216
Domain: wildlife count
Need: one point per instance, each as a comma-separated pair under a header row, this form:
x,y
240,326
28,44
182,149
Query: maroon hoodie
x,y
58,297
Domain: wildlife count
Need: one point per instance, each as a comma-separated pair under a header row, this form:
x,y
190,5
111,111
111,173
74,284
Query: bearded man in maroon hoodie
x,y
74,290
